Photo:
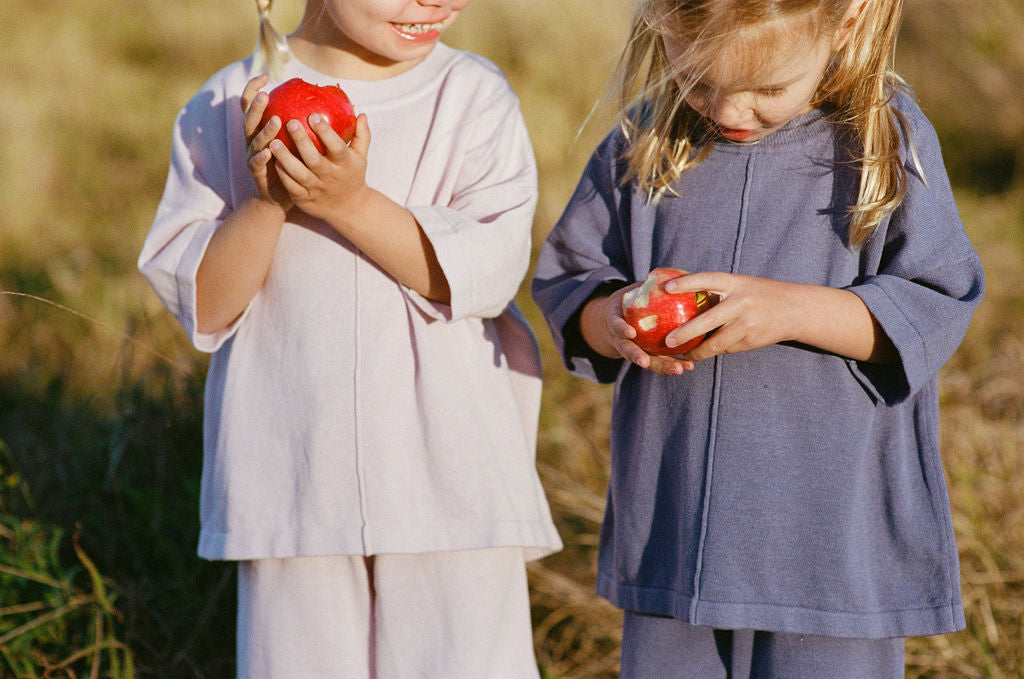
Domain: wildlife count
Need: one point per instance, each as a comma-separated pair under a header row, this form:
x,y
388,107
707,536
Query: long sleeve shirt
x,y
345,413
783,489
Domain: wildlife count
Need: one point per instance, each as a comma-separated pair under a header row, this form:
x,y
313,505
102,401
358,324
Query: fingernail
x,y
294,125
314,118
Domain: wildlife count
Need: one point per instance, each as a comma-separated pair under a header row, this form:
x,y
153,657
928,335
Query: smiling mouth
x,y
419,30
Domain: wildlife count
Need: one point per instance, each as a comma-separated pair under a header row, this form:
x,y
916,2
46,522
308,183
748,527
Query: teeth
x,y
420,28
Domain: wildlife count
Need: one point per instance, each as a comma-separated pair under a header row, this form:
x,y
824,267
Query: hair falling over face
x,y
665,136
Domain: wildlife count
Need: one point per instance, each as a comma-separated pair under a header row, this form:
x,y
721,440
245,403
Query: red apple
x,y
654,313
297,99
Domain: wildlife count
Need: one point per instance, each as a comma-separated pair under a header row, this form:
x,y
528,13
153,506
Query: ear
x,y
850,19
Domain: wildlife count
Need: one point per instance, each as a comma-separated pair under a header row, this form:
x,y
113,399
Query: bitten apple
x,y
297,99
654,312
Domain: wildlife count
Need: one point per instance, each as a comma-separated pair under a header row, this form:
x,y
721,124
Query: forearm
x,y
839,322
389,234
236,263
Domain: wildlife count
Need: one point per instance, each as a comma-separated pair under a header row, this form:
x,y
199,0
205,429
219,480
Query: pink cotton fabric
x,y
345,414
450,615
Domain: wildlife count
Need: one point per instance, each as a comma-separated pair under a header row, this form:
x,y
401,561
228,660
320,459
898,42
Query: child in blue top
x,y
777,505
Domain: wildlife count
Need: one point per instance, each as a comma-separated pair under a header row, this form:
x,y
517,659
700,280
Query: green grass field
x,y
100,394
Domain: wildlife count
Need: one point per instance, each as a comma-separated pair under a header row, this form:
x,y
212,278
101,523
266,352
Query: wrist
x,y
593,320
265,208
798,305
359,207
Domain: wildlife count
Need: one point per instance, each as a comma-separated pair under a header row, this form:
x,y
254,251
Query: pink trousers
x,y
443,615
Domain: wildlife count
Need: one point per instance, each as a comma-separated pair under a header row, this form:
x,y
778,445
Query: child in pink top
x,y
373,391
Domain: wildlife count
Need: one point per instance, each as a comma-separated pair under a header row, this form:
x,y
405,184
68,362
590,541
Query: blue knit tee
x,y
783,489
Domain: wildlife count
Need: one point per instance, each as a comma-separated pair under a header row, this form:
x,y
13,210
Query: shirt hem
x,y
909,622
536,539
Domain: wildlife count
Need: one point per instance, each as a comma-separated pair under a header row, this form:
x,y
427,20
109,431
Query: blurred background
x,y
100,394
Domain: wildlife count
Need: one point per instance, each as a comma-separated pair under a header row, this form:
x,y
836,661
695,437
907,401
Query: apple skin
x,y
654,313
297,99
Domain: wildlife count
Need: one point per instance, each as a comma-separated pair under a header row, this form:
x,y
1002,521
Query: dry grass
x,y
86,102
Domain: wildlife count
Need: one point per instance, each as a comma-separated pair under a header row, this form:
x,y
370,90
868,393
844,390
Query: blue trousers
x,y
655,647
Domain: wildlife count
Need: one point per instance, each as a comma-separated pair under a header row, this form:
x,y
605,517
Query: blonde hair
x,y
665,136
271,51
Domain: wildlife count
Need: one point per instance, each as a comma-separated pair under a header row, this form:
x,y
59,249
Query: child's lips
x,y
419,32
734,134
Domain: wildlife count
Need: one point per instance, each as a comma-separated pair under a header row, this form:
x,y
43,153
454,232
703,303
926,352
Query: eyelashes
x,y
704,91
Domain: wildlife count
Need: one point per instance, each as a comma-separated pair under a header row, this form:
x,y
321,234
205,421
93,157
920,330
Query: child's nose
x,y
731,110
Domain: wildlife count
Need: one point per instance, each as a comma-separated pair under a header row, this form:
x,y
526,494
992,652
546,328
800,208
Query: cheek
x,y
697,103
776,112
781,111
800,101
457,8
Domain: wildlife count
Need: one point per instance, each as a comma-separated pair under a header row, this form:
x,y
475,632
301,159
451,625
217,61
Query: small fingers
x,y
254,103
662,365
633,353
361,139
251,89
331,141
698,326
258,161
707,281
667,365
291,172
308,151
618,327
729,339
261,139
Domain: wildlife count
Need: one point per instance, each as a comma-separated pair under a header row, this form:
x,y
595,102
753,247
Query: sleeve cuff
x,y
891,383
576,354
188,268
459,257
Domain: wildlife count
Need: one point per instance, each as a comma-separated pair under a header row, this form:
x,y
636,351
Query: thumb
x,y
361,139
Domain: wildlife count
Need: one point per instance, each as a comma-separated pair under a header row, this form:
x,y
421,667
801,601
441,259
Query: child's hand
x,y
268,185
328,185
757,312
608,333
751,313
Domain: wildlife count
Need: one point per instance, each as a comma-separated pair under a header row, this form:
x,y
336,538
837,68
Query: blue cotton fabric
x,y
782,489
657,647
